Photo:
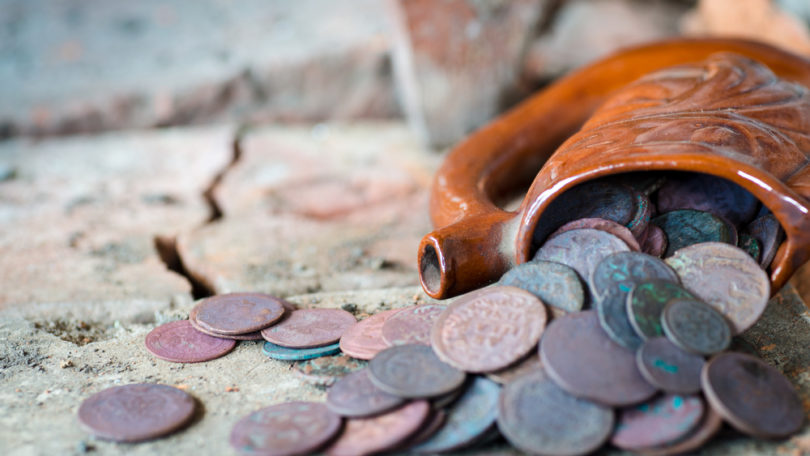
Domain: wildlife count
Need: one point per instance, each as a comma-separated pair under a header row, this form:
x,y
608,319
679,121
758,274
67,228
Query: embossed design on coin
x,y
291,428
696,327
307,328
669,368
727,279
363,340
411,325
581,249
413,371
707,193
582,360
622,270
687,227
661,421
238,313
769,233
137,412
355,395
607,226
557,285
179,342
363,436
326,370
752,396
298,354
489,329
538,417
612,312
646,302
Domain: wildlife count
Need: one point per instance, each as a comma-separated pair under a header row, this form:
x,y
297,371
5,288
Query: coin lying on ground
x,y
752,396
695,327
489,329
581,249
411,325
557,285
669,368
661,421
646,303
687,227
137,412
308,328
291,428
362,436
256,335
238,313
355,395
179,342
298,354
608,226
326,370
363,340
413,371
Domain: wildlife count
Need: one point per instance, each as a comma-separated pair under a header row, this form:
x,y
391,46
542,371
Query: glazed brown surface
x,y
735,109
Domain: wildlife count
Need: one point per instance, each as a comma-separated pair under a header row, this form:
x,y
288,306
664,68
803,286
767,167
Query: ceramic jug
x,y
735,109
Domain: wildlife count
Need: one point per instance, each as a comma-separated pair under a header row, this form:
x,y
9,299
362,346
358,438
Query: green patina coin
x,y
297,354
686,227
751,246
556,284
646,302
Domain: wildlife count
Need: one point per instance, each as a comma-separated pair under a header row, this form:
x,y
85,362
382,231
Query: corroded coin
x,y
363,340
612,312
703,432
509,373
695,327
669,368
655,241
432,425
362,436
489,329
687,227
581,249
411,325
238,313
256,335
179,342
327,370
641,219
608,226
727,279
557,285
291,428
307,328
752,395
582,360
769,233
297,354
622,270
355,395
708,193
660,421
413,371
468,418
646,302
538,417
137,412
751,246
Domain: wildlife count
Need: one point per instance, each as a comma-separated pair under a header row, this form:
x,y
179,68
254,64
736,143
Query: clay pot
x,y
742,115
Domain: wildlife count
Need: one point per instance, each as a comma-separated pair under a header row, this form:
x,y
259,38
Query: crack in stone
x,y
208,193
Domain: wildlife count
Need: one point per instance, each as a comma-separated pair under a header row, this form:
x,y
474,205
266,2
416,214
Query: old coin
x,y
238,313
687,227
297,354
327,370
752,396
538,417
256,335
661,421
769,233
137,412
363,436
581,249
432,425
608,226
583,361
411,325
307,328
727,279
669,368
646,302
509,373
291,428
363,340
489,329
622,270
708,193
443,401
468,418
179,342
612,312
655,241
557,285
355,395
695,327
751,246
641,219
413,371
702,433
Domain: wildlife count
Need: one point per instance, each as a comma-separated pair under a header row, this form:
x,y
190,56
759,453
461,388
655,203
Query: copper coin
x,y
752,395
179,342
622,270
769,233
661,421
363,340
608,226
581,249
291,428
413,371
655,241
583,361
695,327
641,219
137,412
355,395
668,368
727,279
489,329
256,335
703,432
538,417
237,313
708,193
468,418
506,375
440,402
431,426
751,246
308,328
362,436
326,370
687,227
411,325
646,302
612,312
557,285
